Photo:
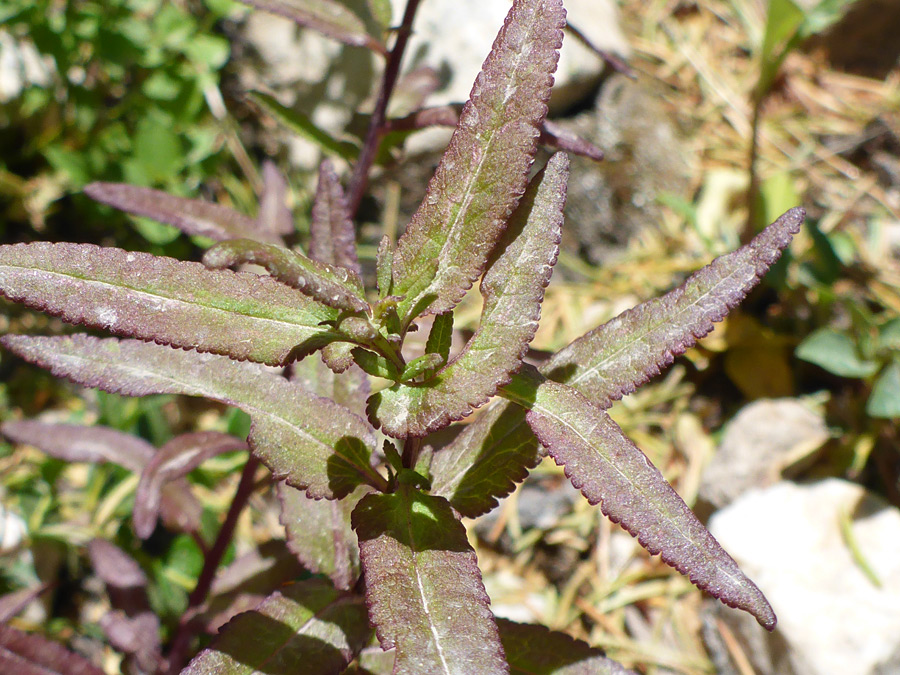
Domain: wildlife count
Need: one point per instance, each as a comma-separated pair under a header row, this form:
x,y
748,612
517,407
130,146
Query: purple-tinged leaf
x,y
72,443
334,286
311,442
496,448
115,568
611,471
137,636
332,238
338,356
191,216
617,357
13,603
32,654
484,171
486,460
555,136
328,17
274,216
349,388
513,288
319,534
174,460
423,586
307,627
153,298
384,262
536,650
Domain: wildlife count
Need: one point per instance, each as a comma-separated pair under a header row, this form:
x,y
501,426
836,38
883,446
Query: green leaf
x,y
318,533
423,586
513,288
484,171
783,20
614,359
312,443
536,650
332,238
328,17
301,125
330,285
441,335
426,362
611,471
384,260
375,365
191,216
153,298
308,623
885,398
836,353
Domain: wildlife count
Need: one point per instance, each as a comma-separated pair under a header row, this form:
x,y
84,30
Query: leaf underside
x,y
192,216
423,586
483,173
483,465
611,471
32,654
307,625
513,288
183,304
312,443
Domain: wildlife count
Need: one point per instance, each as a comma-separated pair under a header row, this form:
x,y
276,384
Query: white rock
x,y
455,36
831,617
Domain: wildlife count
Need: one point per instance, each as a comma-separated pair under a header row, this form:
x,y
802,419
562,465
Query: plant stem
x,y
411,448
185,631
360,177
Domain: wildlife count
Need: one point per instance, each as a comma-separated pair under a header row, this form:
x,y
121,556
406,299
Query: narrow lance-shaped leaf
x,y
332,238
610,470
174,460
274,216
423,586
484,171
617,357
14,602
328,17
441,336
154,298
336,287
498,447
306,627
301,125
513,289
179,508
192,216
536,650
311,442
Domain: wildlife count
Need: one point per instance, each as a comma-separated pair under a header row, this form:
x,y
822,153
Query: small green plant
x,y
377,515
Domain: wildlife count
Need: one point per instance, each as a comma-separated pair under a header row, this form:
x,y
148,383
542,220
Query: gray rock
x,y
763,439
832,618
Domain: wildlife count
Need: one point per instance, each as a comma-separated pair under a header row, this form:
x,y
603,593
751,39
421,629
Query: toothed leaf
x,y
384,260
318,533
484,171
172,461
328,17
486,460
311,442
426,362
513,289
611,471
274,215
375,365
192,216
536,650
423,586
617,357
332,238
336,287
306,627
338,356
183,304
441,335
